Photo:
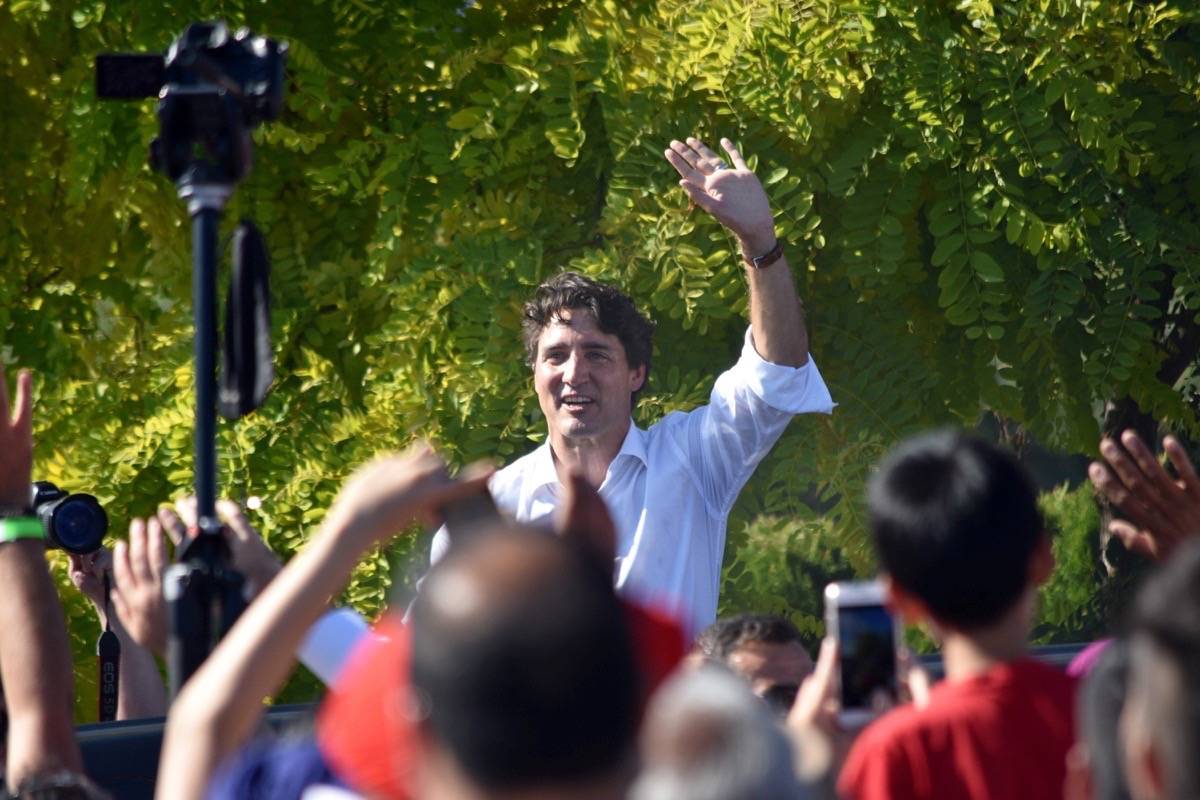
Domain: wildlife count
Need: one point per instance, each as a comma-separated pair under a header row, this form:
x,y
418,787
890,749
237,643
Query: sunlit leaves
x,y
985,206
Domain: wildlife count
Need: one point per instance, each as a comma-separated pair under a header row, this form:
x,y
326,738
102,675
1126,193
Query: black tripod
x,y
203,591
213,88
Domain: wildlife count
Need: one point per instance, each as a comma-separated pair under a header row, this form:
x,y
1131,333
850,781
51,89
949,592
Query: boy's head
x,y
957,527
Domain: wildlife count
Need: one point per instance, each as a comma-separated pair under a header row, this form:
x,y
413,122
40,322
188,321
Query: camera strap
x,y
246,363
108,649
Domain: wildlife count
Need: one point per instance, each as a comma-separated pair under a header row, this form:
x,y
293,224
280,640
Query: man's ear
x,y
904,604
638,377
1041,561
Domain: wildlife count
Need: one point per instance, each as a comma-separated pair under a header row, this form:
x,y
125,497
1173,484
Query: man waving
x,y
669,487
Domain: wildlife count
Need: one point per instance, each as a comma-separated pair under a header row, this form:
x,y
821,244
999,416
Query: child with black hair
x,y
962,548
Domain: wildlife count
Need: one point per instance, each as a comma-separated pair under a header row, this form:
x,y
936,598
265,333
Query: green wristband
x,y
13,528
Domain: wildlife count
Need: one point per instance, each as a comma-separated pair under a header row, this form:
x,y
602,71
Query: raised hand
x,y
390,493
16,443
137,594
732,194
1162,511
251,555
813,720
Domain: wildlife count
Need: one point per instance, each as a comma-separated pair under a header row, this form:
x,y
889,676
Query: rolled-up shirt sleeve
x,y
749,408
794,390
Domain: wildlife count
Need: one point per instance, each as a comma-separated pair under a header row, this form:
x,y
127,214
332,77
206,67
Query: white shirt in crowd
x,y
671,486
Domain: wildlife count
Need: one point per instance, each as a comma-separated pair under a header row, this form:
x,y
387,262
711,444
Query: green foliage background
x,y
991,207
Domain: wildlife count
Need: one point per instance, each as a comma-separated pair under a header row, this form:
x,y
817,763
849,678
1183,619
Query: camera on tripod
x,y
212,86
212,89
76,523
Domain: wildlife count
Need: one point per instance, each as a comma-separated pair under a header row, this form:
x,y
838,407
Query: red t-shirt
x,y
1002,734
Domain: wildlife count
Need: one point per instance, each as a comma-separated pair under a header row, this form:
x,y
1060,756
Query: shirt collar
x,y
544,473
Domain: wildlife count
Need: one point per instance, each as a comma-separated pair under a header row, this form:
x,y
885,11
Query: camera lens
x,y
77,524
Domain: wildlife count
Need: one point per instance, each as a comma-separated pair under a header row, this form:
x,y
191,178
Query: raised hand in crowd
x,y
251,555
219,707
139,564
140,689
35,657
137,595
735,197
1161,511
820,742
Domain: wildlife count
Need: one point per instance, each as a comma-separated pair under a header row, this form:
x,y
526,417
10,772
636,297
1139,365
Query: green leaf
x,y
776,175
1014,226
1035,235
465,119
946,248
986,267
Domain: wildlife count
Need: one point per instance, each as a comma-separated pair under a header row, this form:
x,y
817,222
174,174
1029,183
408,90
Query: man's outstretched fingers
x,y
156,551
231,514
704,151
1158,482
1183,465
1107,484
139,552
174,526
1120,463
23,411
734,155
1134,539
699,196
682,165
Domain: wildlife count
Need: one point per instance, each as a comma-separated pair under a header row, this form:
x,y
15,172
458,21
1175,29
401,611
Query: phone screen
x,y
867,640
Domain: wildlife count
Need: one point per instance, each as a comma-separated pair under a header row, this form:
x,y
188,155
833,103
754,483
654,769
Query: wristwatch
x,y
14,528
766,259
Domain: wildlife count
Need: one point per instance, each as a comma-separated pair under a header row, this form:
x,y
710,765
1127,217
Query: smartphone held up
x,y
867,635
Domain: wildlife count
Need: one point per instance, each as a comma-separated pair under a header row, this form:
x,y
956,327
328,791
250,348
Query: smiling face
x,y
583,381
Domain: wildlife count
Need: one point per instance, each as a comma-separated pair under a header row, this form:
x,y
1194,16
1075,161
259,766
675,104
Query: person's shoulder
x,y
897,725
1038,678
878,764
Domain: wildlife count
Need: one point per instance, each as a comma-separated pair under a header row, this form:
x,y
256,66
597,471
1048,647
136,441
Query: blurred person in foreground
x,y
516,678
1159,515
765,650
962,548
218,708
706,737
671,486
1160,723
523,662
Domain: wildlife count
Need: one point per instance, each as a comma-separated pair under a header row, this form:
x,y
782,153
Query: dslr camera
x,y
76,523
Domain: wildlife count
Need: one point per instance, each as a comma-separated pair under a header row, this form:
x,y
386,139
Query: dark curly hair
x,y
726,635
613,310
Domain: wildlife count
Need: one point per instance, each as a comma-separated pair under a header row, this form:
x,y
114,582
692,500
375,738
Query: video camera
x,y
213,88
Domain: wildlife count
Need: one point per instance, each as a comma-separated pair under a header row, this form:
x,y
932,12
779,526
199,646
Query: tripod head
x,y
213,88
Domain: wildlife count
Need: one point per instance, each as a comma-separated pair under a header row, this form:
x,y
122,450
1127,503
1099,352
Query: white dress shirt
x,y
671,486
